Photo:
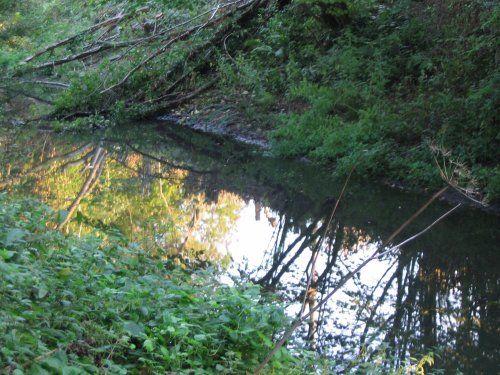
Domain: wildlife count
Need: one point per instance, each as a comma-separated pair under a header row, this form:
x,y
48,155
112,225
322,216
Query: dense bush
x,y
373,84
77,306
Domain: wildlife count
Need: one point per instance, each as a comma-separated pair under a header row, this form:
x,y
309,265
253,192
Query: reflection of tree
x,y
95,167
439,302
111,185
424,300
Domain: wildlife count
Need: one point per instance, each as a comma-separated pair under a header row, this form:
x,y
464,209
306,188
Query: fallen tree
x,y
141,59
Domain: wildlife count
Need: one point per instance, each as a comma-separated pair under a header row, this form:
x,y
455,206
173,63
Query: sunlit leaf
x,y
6,254
42,292
148,345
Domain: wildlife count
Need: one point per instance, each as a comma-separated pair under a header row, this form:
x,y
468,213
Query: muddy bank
x,y
243,134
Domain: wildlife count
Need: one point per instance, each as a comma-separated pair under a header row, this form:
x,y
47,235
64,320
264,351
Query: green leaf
x,y
15,235
72,370
148,345
6,254
219,367
64,273
42,292
52,363
134,329
36,369
78,217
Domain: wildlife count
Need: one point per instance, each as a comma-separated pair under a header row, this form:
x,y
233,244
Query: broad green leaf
x,y
6,254
134,329
42,292
148,345
36,369
15,235
52,363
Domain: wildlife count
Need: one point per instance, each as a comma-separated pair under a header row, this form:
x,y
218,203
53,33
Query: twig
x,y
193,30
318,247
42,82
161,109
225,48
414,216
90,29
83,55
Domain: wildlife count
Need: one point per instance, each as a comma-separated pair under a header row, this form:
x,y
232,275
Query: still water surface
x,y
208,200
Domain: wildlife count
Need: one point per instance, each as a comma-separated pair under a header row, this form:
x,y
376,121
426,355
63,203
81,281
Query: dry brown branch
x,y
37,82
150,58
82,55
176,102
91,29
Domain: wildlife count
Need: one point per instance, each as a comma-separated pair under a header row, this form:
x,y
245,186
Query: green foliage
x,y
27,25
373,92
83,123
86,305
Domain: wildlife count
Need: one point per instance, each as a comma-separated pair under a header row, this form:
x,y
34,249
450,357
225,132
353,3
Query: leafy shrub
x,y
394,77
88,305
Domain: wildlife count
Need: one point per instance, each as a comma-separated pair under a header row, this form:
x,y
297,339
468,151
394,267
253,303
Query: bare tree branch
x,y
182,36
91,29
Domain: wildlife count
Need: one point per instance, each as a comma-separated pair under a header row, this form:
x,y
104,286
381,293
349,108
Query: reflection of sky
x,y
251,241
250,244
250,238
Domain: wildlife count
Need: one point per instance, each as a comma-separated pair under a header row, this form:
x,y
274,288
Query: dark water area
x,y
207,200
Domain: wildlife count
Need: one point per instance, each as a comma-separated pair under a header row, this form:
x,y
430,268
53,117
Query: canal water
x,y
205,200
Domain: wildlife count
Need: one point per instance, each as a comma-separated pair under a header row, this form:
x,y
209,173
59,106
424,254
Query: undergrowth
x,y
372,84
75,306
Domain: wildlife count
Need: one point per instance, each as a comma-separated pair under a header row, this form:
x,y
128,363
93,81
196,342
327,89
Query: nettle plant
x,y
93,305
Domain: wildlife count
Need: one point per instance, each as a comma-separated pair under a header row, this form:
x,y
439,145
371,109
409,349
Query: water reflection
x,y
201,199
